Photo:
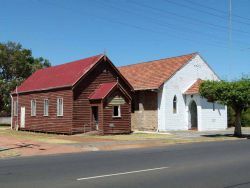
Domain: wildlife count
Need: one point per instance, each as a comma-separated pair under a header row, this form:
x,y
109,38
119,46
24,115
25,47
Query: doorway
x,y
193,115
95,117
22,119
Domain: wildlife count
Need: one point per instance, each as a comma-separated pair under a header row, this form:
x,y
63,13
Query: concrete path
x,y
198,134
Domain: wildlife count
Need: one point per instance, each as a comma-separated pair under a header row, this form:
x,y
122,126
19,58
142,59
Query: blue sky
x,y
131,31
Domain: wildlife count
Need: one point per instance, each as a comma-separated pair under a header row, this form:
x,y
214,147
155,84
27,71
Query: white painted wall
x,y
217,117
177,85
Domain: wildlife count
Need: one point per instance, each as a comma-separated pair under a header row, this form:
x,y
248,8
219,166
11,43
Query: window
x,y
116,111
33,107
59,106
175,105
15,108
46,107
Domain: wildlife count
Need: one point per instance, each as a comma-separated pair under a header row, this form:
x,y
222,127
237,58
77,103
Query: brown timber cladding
x,y
103,73
76,106
121,124
52,122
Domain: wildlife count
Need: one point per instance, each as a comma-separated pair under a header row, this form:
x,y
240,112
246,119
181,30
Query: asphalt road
x,y
215,164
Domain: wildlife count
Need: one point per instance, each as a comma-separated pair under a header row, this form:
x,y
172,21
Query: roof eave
x,y
86,71
120,74
147,89
191,93
105,95
39,90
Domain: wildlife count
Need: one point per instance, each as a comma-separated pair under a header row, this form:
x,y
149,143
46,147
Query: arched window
x,y
175,105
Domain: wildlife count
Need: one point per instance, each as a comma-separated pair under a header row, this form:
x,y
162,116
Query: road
x,y
214,164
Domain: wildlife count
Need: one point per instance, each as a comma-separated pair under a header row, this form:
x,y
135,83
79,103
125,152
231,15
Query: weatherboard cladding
x,y
77,106
121,124
52,122
103,73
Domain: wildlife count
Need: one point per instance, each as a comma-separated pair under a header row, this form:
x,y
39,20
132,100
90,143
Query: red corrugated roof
x,y
194,89
58,76
151,75
102,91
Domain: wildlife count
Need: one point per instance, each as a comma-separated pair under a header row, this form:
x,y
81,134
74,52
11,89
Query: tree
x,y
16,64
235,94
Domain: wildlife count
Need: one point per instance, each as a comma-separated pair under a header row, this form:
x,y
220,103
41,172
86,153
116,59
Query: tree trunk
x,y
237,130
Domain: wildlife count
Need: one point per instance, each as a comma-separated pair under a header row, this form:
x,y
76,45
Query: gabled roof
x,y
152,74
65,75
194,89
102,91
105,89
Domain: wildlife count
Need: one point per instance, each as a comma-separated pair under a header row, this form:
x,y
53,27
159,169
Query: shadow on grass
x,y
23,145
247,136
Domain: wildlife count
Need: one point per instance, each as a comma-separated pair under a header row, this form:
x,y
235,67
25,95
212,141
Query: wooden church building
x,y
77,97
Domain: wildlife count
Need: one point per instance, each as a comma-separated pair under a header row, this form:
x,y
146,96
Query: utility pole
x,y
230,38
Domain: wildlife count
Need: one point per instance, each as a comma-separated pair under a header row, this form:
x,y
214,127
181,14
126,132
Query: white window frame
x,y
15,108
175,104
46,107
58,110
33,108
119,111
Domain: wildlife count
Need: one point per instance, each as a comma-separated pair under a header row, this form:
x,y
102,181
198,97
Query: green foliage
x,y
235,94
16,64
5,89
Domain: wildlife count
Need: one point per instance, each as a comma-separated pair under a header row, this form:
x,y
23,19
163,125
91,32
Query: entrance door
x,y
22,123
95,118
193,115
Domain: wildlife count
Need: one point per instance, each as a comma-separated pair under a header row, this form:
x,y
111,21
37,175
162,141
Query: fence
x,y
5,120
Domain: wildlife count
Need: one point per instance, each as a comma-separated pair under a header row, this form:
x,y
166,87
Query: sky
x,y
132,31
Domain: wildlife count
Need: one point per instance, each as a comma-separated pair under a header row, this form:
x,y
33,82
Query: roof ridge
x,y
194,53
79,67
71,62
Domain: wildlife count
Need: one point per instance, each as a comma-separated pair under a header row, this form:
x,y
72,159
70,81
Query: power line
x,y
188,18
192,40
205,12
164,24
217,10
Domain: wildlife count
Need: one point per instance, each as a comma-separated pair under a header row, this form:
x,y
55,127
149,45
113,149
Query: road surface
x,y
214,164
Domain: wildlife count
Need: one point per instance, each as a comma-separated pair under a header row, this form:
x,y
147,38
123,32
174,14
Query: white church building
x,y
167,95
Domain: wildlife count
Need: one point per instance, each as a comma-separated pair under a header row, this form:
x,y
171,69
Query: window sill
x,y
116,117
